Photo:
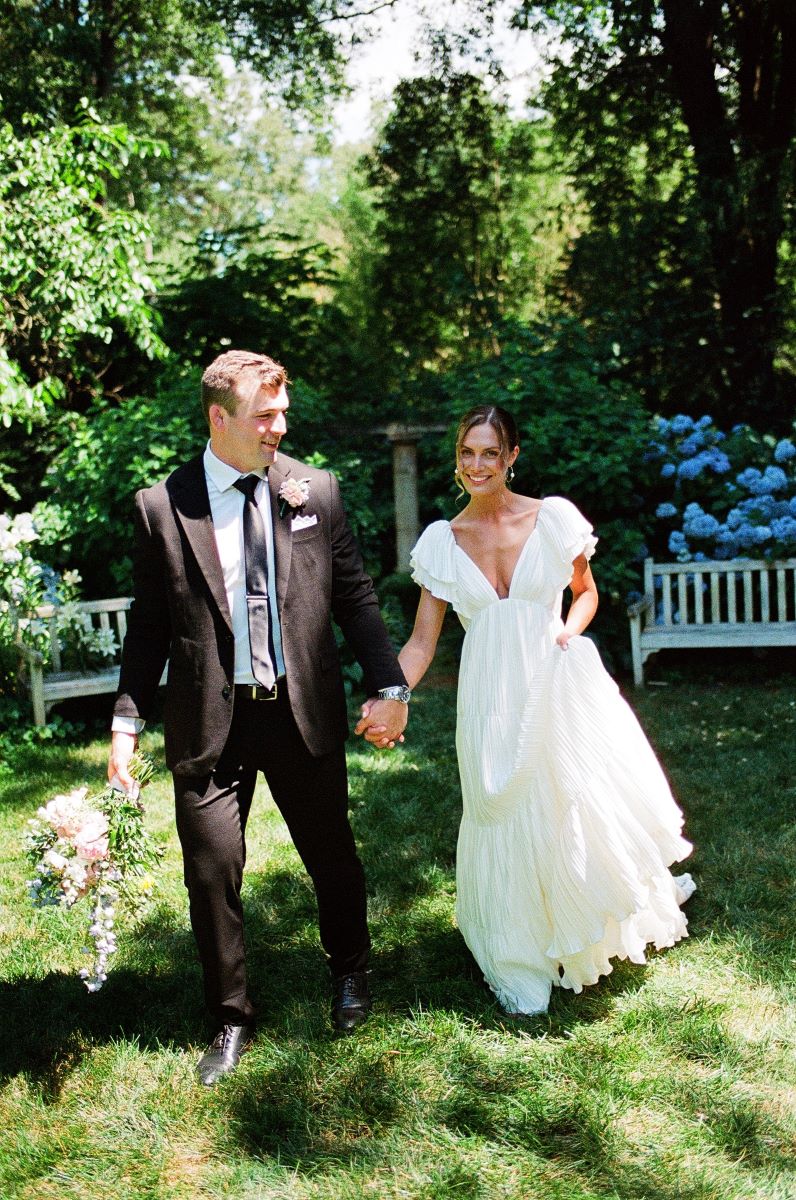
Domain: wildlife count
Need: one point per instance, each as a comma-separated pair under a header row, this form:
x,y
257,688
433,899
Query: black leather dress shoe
x,y
352,1002
223,1055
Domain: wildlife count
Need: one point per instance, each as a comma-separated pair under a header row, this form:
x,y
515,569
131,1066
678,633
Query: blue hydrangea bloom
x,y
738,428
758,506
705,526
681,423
693,510
663,425
726,543
665,510
776,479
677,541
691,468
749,478
784,529
667,470
784,451
773,479
717,460
703,422
700,556
689,446
792,506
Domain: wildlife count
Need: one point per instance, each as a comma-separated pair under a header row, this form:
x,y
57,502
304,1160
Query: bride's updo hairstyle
x,y
501,421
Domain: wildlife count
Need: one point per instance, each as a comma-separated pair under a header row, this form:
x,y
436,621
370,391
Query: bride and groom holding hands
x,y
244,556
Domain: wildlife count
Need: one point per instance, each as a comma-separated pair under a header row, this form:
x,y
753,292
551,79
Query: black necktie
x,y
256,556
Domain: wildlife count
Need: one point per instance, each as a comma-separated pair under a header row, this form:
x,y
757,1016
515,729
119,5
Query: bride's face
x,y
481,462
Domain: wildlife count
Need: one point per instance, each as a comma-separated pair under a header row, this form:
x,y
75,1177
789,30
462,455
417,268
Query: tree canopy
x,y
678,117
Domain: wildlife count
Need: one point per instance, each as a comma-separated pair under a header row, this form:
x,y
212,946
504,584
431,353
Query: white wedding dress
x,y
568,825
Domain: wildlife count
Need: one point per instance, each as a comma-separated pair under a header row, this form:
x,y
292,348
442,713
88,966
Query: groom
x,y
235,585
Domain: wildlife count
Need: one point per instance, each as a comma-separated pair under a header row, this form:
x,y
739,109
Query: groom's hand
x,y
383,722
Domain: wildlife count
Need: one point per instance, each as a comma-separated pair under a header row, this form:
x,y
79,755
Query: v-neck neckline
x,y
520,556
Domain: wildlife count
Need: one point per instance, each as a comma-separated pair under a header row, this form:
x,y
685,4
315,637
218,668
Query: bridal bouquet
x,y
97,850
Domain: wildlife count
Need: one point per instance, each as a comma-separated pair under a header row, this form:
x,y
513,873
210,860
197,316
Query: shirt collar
x,y
221,473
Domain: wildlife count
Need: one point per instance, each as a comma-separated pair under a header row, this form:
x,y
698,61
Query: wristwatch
x,y
399,692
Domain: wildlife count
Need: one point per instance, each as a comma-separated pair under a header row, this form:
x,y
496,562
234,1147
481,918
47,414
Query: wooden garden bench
x,y
741,602
47,685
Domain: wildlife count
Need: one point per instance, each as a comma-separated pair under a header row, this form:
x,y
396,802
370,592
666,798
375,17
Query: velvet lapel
x,y
283,541
188,490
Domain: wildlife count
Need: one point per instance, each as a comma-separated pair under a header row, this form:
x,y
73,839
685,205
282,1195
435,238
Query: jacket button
x,y
226,691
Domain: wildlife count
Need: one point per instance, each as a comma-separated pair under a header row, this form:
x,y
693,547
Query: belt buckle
x,y
270,696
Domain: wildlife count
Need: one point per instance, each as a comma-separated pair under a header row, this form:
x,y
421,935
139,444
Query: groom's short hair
x,y
234,373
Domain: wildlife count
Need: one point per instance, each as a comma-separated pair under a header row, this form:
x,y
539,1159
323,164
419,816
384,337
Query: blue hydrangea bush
x,y
721,495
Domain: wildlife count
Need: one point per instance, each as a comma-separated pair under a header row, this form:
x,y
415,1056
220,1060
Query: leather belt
x,y
250,691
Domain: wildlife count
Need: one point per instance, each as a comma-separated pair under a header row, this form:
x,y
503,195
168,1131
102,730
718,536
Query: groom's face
x,y
248,438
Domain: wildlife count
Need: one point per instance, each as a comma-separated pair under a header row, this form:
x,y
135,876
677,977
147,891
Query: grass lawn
x,y
674,1081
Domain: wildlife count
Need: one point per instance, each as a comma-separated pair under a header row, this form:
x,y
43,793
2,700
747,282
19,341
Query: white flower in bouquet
x,y
99,850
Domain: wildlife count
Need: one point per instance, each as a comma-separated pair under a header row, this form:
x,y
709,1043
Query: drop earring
x,y
509,475
461,492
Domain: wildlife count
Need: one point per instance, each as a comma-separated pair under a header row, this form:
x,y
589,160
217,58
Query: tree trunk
x,y
740,163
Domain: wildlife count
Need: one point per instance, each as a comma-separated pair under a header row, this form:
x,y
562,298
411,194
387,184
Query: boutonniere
x,y
293,494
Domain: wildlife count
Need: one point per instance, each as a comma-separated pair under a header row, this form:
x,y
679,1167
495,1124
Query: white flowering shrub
x,y
25,584
722,495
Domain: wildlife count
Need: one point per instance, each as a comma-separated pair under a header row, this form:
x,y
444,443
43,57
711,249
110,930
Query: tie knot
x,y
247,484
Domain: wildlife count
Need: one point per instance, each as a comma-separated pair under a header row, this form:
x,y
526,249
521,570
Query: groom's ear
x,y
218,416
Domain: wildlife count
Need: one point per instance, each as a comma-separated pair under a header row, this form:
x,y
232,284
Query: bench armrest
x,y
34,657
645,604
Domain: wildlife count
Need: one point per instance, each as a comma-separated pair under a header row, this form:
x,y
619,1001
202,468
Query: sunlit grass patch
x,y
672,1081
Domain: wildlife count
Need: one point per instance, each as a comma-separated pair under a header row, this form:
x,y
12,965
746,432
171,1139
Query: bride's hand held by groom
x,y
382,722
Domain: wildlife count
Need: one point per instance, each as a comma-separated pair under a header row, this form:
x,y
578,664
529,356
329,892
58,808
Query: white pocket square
x,y
303,522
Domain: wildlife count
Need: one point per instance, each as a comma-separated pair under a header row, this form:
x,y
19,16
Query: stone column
x,y
404,440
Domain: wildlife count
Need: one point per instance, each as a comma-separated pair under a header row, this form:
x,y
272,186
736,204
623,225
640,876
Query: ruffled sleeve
x,y
569,533
432,561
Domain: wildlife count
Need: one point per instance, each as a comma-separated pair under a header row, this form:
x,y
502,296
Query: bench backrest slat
x,y
55,645
748,601
682,599
699,598
765,603
732,612
715,598
667,599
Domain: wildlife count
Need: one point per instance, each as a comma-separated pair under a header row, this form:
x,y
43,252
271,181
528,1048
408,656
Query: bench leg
x,y
635,648
37,694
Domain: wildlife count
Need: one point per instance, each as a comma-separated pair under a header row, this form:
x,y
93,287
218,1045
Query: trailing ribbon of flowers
x,y
99,850
293,494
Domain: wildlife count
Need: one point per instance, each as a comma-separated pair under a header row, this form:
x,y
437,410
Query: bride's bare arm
x,y
584,601
415,659
418,653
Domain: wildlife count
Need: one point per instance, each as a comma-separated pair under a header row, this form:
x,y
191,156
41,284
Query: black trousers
x,y
212,811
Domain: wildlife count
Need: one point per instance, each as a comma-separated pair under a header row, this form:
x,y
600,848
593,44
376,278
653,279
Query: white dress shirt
x,y
226,510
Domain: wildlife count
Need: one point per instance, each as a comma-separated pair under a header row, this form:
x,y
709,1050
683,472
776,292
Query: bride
x,y
568,825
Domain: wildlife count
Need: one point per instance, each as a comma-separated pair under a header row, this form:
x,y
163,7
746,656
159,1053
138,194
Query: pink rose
x,y
91,840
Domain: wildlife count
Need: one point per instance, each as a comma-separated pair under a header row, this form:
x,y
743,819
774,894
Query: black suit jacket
x,y
180,613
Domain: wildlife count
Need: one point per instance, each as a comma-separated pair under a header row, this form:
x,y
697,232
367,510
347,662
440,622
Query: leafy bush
x,y
582,435
86,521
